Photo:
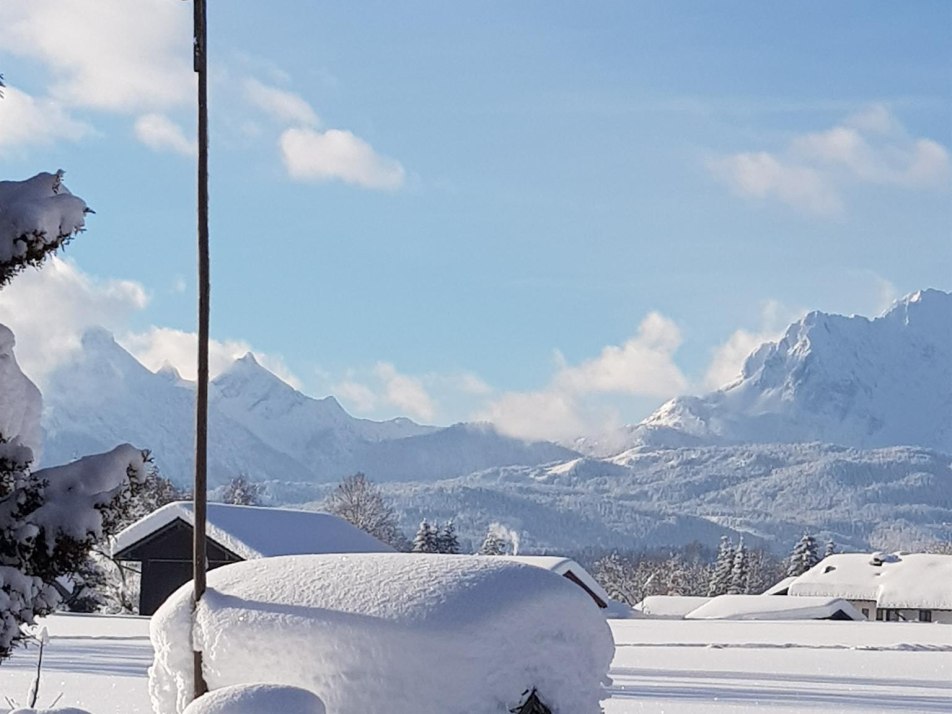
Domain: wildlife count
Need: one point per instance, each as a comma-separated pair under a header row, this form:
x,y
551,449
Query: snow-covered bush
x,y
48,518
257,699
388,632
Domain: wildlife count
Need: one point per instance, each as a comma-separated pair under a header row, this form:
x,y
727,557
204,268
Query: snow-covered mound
x,y
396,633
842,380
257,699
258,425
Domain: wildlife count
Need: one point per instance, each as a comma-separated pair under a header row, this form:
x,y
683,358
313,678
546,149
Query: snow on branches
x,y
37,217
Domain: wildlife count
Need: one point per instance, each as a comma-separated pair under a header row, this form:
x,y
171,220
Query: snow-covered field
x,y
100,663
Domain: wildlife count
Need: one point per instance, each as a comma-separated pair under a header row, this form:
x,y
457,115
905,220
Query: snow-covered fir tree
x,y
446,539
493,544
723,567
740,571
241,491
803,557
49,518
425,540
830,548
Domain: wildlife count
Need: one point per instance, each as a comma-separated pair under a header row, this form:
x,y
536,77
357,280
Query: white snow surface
x,y
99,664
39,208
64,710
772,607
259,532
257,699
400,633
22,404
902,580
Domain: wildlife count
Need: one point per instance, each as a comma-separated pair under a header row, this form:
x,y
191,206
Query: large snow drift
x,y
257,699
774,607
382,632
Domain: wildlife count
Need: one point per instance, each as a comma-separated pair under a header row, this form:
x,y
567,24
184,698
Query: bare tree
x,y
241,491
358,500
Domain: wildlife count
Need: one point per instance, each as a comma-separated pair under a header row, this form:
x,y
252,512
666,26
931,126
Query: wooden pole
x,y
201,410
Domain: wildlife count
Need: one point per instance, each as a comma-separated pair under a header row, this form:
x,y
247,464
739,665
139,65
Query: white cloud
x,y
280,104
49,309
311,155
26,120
572,403
869,147
160,133
106,54
642,365
405,392
762,175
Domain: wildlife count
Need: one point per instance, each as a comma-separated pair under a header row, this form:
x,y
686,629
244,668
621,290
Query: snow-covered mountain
x,y
258,425
841,380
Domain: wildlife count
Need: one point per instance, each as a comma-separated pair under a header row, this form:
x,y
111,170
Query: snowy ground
x,y
660,666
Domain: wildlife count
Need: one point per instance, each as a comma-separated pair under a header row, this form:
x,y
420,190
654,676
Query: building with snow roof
x,y
909,587
569,569
162,541
764,607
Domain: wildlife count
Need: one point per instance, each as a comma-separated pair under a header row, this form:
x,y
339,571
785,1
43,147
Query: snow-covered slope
x,y
258,426
842,380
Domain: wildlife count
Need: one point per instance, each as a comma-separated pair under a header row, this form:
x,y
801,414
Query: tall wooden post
x,y
201,411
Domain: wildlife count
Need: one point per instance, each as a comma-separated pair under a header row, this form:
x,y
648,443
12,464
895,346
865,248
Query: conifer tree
x,y
446,540
830,548
492,544
723,567
803,557
740,571
425,540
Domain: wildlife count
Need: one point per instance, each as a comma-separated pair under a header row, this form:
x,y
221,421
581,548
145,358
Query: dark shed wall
x,y
166,558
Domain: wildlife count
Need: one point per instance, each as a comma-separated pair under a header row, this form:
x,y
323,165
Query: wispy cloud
x,y
106,54
812,170
160,133
571,404
312,155
280,104
26,120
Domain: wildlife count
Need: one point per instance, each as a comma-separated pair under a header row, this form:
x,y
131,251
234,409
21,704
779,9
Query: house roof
x,y
765,607
670,606
900,580
564,566
781,587
256,532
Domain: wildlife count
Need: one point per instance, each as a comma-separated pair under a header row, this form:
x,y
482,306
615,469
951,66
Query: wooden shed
x,y
162,542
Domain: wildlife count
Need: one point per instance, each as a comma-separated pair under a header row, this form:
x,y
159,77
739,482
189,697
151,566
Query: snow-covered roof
x,y
765,607
256,532
670,606
781,587
900,580
563,566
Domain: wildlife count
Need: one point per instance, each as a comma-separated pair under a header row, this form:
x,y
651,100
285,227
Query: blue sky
x,y
552,215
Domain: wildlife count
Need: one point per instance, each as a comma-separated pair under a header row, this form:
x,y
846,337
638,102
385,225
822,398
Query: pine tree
x,y
740,571
492,544
723,566
830,548
446,540
803,557
425,540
